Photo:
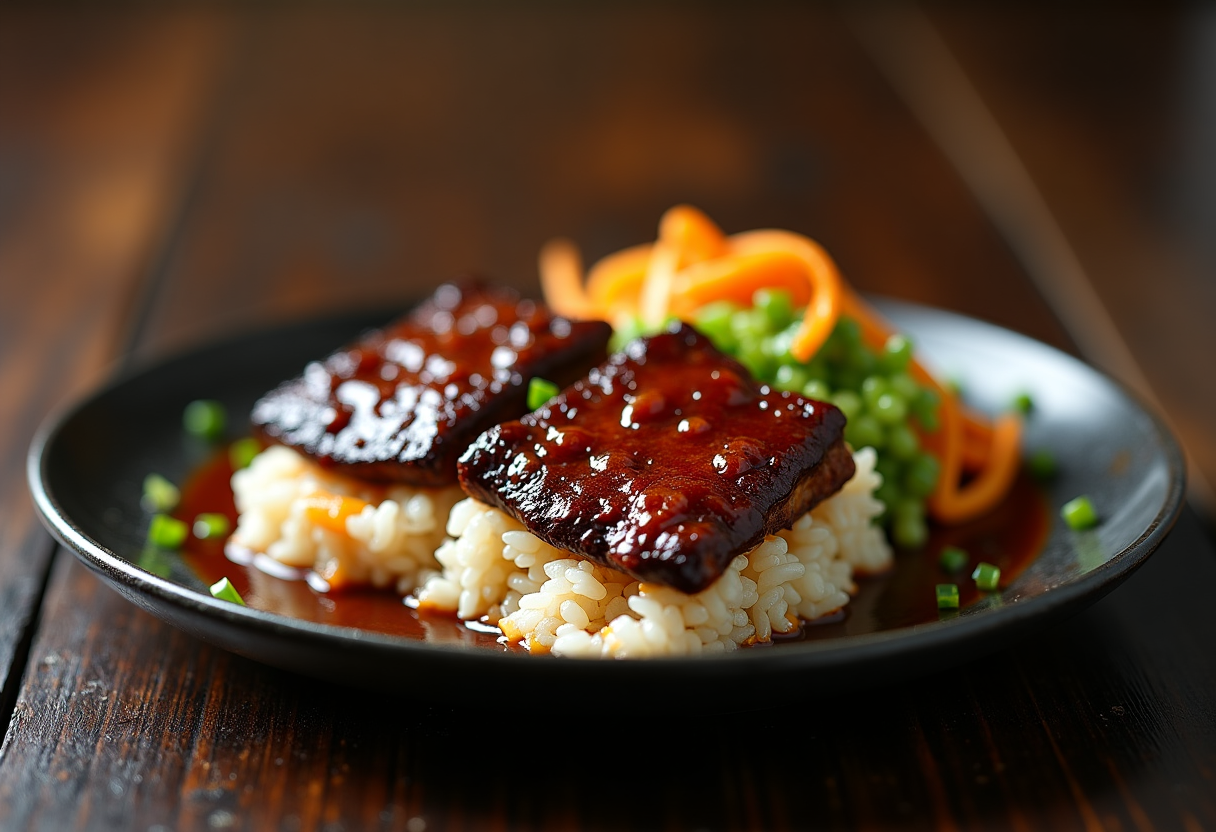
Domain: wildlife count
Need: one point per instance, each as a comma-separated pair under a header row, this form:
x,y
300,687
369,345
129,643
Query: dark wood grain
x,y
1112,115
1101,722
85,170
371,153
293,162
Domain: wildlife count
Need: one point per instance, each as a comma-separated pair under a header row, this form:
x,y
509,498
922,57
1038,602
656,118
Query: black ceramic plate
x,y
87,465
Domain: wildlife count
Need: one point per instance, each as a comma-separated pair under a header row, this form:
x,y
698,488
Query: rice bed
x,y
491,568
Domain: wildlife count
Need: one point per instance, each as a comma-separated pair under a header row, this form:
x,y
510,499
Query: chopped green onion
x,y
987,576
167,532
159,494
1022,402
242,452
539,392
209,526
225,591
947,596
206,418
1079,514
953,559
1042,465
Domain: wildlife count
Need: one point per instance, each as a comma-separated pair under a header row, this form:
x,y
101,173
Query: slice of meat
x,y
403,402
665,462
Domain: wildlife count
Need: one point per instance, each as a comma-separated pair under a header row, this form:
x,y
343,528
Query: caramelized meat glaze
x,y
403,402
665,462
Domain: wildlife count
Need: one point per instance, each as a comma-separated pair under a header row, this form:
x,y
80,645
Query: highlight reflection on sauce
x,y
1009,537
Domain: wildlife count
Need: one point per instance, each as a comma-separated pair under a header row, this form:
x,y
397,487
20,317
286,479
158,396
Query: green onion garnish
x,y
947,596
539,392
225,591
206,418
986,576
242,451
953,559
1079,514
209,526
1042,465
1022,402
167,532
159,494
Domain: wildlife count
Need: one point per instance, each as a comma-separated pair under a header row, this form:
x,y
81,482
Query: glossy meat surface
x,y
402,403
665,462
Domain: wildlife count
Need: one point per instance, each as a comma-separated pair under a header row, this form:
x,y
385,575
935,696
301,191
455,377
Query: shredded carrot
x,y
686,237
825,283
330,511
977,442
561,275
954,504
692,234
615,283
736,279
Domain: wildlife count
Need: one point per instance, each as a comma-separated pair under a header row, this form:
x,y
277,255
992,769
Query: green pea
x,y
904,385
888,494
714,321
865,432
873,387
920,477
908,527
790,377
924,406
777,306
846,378
889,409
847,330
897,353
902,442
850,403
817,390
910,532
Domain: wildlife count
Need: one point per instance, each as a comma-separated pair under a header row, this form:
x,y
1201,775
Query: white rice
x,y
550,600
491,568
391,543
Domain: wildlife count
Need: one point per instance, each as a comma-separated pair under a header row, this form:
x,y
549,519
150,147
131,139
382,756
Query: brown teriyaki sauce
x,y
1010,536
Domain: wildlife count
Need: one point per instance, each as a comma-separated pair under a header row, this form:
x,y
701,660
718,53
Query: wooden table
x,y
167,178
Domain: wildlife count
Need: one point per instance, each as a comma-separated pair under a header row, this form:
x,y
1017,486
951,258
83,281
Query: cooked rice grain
x,y
390,543
553,601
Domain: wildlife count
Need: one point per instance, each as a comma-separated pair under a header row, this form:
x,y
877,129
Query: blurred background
x,y
1052,171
